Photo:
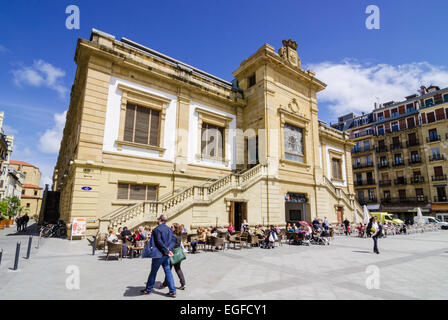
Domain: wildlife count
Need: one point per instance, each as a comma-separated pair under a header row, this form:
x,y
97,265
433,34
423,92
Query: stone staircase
x,y
147,212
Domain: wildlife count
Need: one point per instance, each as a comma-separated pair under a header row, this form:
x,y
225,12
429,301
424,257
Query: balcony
x,y
381,149
405,200
441,199
436,157
417,179
439,178
362,165
385,183
396,146
367,182
398,163
384,165
415,160
365,149
412,143
367,201
433,139
400,181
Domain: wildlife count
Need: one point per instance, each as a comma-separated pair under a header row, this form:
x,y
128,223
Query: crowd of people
x,y
22,222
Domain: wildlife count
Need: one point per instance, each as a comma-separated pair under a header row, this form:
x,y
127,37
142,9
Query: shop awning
x,y
440,207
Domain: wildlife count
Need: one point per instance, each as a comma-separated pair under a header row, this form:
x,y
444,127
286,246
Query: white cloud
x,y
355,87
50,141
9,130
40,74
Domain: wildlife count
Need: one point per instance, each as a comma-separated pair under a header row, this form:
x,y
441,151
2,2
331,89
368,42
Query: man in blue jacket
x,y
160,250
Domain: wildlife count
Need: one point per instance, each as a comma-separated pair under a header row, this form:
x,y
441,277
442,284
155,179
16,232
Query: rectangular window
x,y
445,97
212,141
136,192
337,168
293,143
430,116
429,102
395,127
438,171
141,125
433,136
251,81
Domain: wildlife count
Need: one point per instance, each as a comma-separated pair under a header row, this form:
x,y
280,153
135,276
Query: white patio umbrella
x,y
420,220
366,215
356,220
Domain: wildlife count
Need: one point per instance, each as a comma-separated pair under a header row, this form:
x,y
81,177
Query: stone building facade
x,y
147,134
31,195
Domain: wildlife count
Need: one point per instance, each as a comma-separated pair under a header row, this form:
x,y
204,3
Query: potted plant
x,y
3,213
14,209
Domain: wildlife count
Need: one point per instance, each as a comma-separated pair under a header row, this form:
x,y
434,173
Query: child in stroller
x,y
320,237
271,237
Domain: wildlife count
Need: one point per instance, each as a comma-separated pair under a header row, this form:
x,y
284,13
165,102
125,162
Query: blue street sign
x,y
86,188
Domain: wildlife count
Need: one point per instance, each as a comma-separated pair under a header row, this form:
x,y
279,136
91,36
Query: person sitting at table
x,y
222,229
361,230
118,233
112,237
126,234
249,230
136,237
259,233
230,229
202,239
146,232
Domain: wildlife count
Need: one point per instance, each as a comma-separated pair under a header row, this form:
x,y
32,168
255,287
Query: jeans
x,y
375,243
195,243
155,265
180,274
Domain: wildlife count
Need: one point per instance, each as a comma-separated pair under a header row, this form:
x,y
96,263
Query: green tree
x,y
14,207
4,206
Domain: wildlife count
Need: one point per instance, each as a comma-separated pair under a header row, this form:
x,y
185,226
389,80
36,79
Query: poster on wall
x,y
79,226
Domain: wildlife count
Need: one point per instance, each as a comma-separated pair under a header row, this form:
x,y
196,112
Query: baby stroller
x,y
268,242
320,237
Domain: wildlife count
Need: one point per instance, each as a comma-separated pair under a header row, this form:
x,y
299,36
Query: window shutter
x,y
220,137
137,192
129,123
154,134
204,139
431,117
438,171
142,125
151,194
123,191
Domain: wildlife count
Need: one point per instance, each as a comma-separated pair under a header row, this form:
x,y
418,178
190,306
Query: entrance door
x,y
239,214
340,215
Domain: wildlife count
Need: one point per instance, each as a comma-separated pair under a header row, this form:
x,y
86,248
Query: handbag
x,y
178,256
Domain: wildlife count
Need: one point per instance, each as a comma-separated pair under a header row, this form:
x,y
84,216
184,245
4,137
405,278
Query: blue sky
x,y
360,66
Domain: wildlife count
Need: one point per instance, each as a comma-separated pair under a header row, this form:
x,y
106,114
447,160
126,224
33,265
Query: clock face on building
x,y
293,139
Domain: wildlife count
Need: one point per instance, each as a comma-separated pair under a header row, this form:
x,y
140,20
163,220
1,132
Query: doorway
x,y
340,214
238,213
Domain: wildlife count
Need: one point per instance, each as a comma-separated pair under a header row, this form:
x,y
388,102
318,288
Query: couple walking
x,y
162,246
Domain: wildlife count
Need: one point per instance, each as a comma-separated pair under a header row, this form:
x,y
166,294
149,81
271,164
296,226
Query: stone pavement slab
x,y
410,267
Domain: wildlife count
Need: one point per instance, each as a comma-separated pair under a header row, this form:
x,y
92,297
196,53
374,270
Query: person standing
x,y
19,223
347,227
25,220
178,236
374,229
326,224
160,249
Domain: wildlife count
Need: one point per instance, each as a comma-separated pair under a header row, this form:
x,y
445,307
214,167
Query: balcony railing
x,y
365,149
381,149
436,157
367,201
412,143
385,183
400,181
384,165
417,179
439,178
398,163
433,139
415,160
417,199
441,199
362,165
396,146
359,183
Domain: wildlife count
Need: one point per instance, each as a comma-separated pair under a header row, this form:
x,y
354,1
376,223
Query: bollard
x,y
1,254
94,245
28,253
16,260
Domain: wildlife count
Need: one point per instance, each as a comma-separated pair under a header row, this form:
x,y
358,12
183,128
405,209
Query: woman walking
x,y
374,229
177,230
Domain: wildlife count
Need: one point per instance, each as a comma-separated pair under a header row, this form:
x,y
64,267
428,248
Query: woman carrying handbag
x,y
178,256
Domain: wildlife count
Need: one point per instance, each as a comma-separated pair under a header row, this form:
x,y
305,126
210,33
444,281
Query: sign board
x,y
79,226
86,188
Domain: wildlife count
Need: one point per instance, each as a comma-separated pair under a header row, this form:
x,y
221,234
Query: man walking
x,y
25,220
160,250
374,229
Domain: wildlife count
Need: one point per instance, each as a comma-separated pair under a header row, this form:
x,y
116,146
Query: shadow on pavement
x,y
135,291
359,251
32,230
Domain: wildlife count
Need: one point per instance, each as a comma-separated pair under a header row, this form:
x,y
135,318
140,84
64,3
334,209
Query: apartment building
x,y
31,193
410,155
147,134
10,180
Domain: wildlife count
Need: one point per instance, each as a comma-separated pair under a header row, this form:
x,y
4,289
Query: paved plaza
x,y
410,267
